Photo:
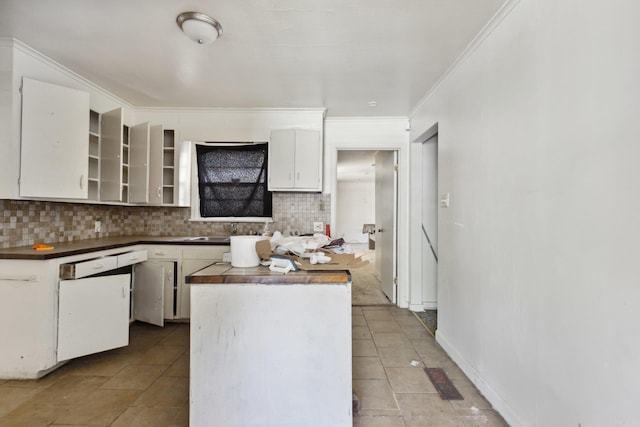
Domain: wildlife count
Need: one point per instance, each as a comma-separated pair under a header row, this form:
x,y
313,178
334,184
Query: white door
x,y
156,151
93,315
111,155
139,163
385,231
148,290
54,157
307,159
282,150
430,222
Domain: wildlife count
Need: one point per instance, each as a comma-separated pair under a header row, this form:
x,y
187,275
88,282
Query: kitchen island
x,y
270,349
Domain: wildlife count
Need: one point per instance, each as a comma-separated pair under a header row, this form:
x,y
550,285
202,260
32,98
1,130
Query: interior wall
x,y
374,133
355,207
538,272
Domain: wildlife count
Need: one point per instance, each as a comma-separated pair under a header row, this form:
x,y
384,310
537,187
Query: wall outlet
x,y
318,227
98,227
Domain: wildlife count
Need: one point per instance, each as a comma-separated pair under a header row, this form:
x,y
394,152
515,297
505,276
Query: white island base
x,y
271,355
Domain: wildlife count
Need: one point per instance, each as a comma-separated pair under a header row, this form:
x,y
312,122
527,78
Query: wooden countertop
x,y
225,274
94,245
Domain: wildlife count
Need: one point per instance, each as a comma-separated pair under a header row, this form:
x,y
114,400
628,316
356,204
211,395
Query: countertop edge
x,y
80,247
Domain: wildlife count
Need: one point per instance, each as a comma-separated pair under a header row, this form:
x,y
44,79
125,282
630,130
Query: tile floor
x,y
147,383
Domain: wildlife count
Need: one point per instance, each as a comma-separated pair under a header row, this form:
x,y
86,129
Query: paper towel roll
x,y
243,251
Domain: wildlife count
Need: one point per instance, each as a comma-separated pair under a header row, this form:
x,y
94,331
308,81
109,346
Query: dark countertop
x,y
100,244
225,274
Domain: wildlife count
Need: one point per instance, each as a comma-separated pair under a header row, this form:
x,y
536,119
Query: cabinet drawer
x,y
163,252
212,252
132,257
77,270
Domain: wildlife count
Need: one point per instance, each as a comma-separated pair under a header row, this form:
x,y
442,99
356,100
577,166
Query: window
x,y
232,181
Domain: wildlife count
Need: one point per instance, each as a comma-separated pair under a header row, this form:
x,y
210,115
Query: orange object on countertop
x,y
42,247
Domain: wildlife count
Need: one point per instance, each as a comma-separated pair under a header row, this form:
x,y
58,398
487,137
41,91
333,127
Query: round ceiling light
x,y
199,27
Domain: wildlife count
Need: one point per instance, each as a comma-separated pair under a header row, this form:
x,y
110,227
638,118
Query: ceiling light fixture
x,y
199,27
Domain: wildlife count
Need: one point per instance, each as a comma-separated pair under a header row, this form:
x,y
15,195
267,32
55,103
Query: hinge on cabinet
x,y
395,168
20,89
395,281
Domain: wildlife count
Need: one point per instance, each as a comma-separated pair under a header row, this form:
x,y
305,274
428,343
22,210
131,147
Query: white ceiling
x,y
336,54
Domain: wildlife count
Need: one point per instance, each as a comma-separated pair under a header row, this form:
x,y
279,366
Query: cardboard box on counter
x,y
338,261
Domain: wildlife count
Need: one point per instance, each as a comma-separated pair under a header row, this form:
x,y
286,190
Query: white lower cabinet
x,y
153,291
62,308
159,283
195,258
93,315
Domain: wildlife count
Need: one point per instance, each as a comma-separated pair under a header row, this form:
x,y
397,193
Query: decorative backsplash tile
x,y
24,223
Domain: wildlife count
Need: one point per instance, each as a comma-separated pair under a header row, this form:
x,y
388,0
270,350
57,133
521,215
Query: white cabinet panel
x,y
295,160
132,257
156,151
93,315
80,269
111,155
308,160
282,148
54,149
148,291
139,164
164,252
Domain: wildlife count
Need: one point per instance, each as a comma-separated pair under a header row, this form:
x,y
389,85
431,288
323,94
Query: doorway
x,y
366,200
429,229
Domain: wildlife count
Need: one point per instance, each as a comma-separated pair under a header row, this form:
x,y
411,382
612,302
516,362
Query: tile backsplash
x,y
26,222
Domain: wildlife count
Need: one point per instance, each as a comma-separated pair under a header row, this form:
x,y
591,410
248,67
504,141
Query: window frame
x,y
195,194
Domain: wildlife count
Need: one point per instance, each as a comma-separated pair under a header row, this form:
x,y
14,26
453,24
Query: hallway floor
x,y
147,383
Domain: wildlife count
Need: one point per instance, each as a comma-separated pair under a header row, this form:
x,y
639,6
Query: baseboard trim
x,y
498,403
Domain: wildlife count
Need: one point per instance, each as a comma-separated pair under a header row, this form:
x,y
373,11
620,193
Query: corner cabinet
x,y
295,160
54,149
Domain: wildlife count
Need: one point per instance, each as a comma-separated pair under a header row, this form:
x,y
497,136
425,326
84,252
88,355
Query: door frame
x,y
416,290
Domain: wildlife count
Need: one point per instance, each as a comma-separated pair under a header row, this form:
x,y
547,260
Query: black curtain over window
x,y
232,181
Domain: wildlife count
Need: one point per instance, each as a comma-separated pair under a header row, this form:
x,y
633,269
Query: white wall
x,y
374,134
356,205
538,273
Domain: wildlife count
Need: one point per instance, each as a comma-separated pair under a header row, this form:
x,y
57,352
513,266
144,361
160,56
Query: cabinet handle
x,y
98,267
123,294
32,278
159,191
81,182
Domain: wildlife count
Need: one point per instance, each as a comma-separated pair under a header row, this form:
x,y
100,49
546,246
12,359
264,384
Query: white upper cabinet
x,y
54,149
139,163
295,160
111,155
156,150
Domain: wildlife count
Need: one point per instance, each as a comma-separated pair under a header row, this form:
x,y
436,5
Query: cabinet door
x,y
139,164
189,266
148,290
156,150
54,147
111,155
308,160
93,315
282,159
